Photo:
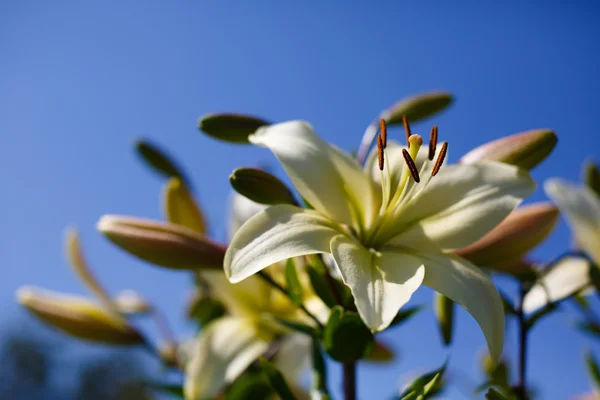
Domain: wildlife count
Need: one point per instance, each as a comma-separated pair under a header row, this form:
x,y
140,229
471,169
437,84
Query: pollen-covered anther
x,y
433,142
440,159
383,130
406,129
411,165
380,147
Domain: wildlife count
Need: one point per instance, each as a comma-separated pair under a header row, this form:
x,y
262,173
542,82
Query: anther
x,y
406,129
433,142
440,159
411,166
380,148
383,129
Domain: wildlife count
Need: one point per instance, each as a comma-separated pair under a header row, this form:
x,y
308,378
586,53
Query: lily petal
x,y
241,209
293,356
222,352
380,282
461,204
581,208
472,289
329,179
565,278
275,234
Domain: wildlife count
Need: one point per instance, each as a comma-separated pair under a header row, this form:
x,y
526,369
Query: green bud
x,y
79,317
417,107
525,150
591,176
164,244
230,127
346,338
181,208
503,248
444,313
260,186
159,161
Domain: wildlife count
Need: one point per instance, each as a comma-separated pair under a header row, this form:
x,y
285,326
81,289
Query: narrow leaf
x,y
593,369
276,380
294,287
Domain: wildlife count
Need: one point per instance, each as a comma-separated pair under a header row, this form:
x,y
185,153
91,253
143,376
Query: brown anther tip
x,y
440,159
380,148
411,165
433,142
406,129
383,129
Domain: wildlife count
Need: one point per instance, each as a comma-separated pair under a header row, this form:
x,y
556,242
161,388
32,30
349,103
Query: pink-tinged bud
x,y
162,243
525,150
79,317
504,248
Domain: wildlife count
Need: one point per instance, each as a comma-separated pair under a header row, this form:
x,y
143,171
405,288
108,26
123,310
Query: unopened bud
x,y
444,313
260,186
417,107
181,208
230,127
78,317
164,244
525,150
591,176
131,302
507,244
158,160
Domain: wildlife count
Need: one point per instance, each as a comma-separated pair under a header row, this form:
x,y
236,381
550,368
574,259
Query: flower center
x,y
401,187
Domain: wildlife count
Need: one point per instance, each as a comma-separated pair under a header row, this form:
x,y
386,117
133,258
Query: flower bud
x,y
164,244
78,317
525,150
506,245
417,107
181,208
159,161
131,302
346,338
444,313
591,176
230,127
260,186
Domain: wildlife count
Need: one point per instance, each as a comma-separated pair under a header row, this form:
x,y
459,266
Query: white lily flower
x,y
581,208
388,230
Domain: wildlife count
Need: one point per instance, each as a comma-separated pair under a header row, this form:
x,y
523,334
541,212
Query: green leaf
x,y
261,187
158,160
493,394
346,338
319,371
593,369
174,390
589,328
405,314
249,387
292,281
444,312
425,386
205,310
321,287
591,176
276,380
297,326
234,128
417,107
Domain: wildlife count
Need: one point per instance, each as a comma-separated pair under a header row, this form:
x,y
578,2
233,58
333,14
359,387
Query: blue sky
x,y
80,81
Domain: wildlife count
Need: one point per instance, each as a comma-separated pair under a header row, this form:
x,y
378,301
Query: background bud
x,y
591,176
513,238
444,313
159,161
230,127
79,317
163,244
181,208
525,150
260,186
131,302
417,107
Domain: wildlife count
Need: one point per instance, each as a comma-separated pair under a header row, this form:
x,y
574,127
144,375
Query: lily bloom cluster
x,y
325,266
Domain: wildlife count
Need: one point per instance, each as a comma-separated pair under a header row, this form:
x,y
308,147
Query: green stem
x,y
521,388
350,381
277,286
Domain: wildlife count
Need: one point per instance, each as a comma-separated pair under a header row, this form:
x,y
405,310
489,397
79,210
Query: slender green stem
x,y
277,286
350,381
521,388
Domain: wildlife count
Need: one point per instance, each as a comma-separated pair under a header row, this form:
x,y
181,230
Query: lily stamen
x,y
411,165
440,159
383,129
433,142
406,130
380,147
